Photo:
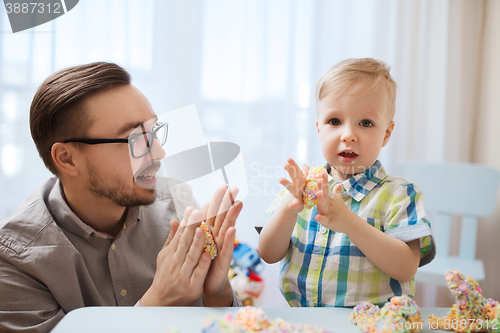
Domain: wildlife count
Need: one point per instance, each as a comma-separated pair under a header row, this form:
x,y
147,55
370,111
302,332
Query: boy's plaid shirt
x,y
324,268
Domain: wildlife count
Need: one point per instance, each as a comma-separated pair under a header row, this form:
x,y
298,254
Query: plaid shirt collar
x,y
361,184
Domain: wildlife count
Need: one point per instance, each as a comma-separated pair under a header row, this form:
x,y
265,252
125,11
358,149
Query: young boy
x,y
366,239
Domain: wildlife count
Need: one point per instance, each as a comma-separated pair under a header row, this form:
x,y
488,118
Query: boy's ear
x,y
64,159
388,133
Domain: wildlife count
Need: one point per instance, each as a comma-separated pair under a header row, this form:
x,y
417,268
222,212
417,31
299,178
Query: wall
x,y
486,150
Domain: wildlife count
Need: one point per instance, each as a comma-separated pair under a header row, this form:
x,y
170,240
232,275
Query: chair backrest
x,y
450,189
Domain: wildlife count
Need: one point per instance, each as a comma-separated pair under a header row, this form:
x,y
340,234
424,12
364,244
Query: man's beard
x,y
114,189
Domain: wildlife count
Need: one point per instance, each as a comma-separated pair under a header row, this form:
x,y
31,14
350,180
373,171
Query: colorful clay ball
x,y
311,189
471,311
252,320
210,246
400,315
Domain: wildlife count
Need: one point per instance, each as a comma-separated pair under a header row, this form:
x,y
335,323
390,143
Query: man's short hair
x,y
57,111
365,74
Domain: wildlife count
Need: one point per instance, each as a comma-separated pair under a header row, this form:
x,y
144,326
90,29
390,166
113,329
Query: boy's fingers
x,y
295,204
320,219
285,182
323,184
337,190
291,172
294,169
292,163
322,202
289,186
305,169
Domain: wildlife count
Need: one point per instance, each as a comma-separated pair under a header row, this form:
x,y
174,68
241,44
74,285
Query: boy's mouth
x,y
348,156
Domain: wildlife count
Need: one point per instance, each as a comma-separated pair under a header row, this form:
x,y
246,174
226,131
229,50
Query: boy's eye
x,y
334,121
366,123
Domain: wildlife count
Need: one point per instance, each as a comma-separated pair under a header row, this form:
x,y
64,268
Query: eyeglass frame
x,y
156,127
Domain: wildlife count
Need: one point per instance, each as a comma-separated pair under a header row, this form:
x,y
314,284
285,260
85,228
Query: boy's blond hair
x,y
360,75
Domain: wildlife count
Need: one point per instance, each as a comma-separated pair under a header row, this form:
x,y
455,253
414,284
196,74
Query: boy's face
x,y
352,128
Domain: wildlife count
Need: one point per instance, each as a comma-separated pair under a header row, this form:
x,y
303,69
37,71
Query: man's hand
x,y
181,266
332,211
297,185
221,214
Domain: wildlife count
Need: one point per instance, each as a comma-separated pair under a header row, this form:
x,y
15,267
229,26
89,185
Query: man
x,y
92,236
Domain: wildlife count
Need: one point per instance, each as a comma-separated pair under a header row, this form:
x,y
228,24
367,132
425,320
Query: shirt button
x,y
314,266
124,227
123,292
322,230
87,236
113,246
310,304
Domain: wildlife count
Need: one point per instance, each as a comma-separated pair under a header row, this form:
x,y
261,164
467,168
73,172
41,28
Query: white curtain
x,y
251,67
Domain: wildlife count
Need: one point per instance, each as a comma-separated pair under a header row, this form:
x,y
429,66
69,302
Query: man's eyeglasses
x,y
140,141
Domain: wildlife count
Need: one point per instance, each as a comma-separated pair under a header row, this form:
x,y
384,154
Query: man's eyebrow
x,y
129,126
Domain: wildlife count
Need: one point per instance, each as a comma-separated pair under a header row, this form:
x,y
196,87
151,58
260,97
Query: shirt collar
x,y
361,184
65,217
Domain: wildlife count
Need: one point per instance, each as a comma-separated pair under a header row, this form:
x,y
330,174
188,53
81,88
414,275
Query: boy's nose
x,y
348,135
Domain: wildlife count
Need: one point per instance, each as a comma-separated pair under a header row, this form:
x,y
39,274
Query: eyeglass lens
x,y
141,144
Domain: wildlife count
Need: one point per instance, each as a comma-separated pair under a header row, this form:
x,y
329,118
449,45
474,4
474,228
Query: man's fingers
x,y
174,225
186,238
193,254
214,205
185,218
229,222
182,225
226,253
204,210
227,202
200,272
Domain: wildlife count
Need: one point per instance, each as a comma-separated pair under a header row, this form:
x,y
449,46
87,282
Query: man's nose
x,y
157,151
349,134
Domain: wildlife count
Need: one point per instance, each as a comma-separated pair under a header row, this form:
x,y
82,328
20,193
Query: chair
x,y
469,190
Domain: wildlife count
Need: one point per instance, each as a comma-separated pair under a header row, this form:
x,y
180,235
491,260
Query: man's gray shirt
x,y
51,262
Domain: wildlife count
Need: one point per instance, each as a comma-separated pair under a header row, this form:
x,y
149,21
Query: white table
x,y
189,319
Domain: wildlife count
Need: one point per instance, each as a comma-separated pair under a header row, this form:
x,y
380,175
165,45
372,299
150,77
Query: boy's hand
x,y
297,185
332,211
